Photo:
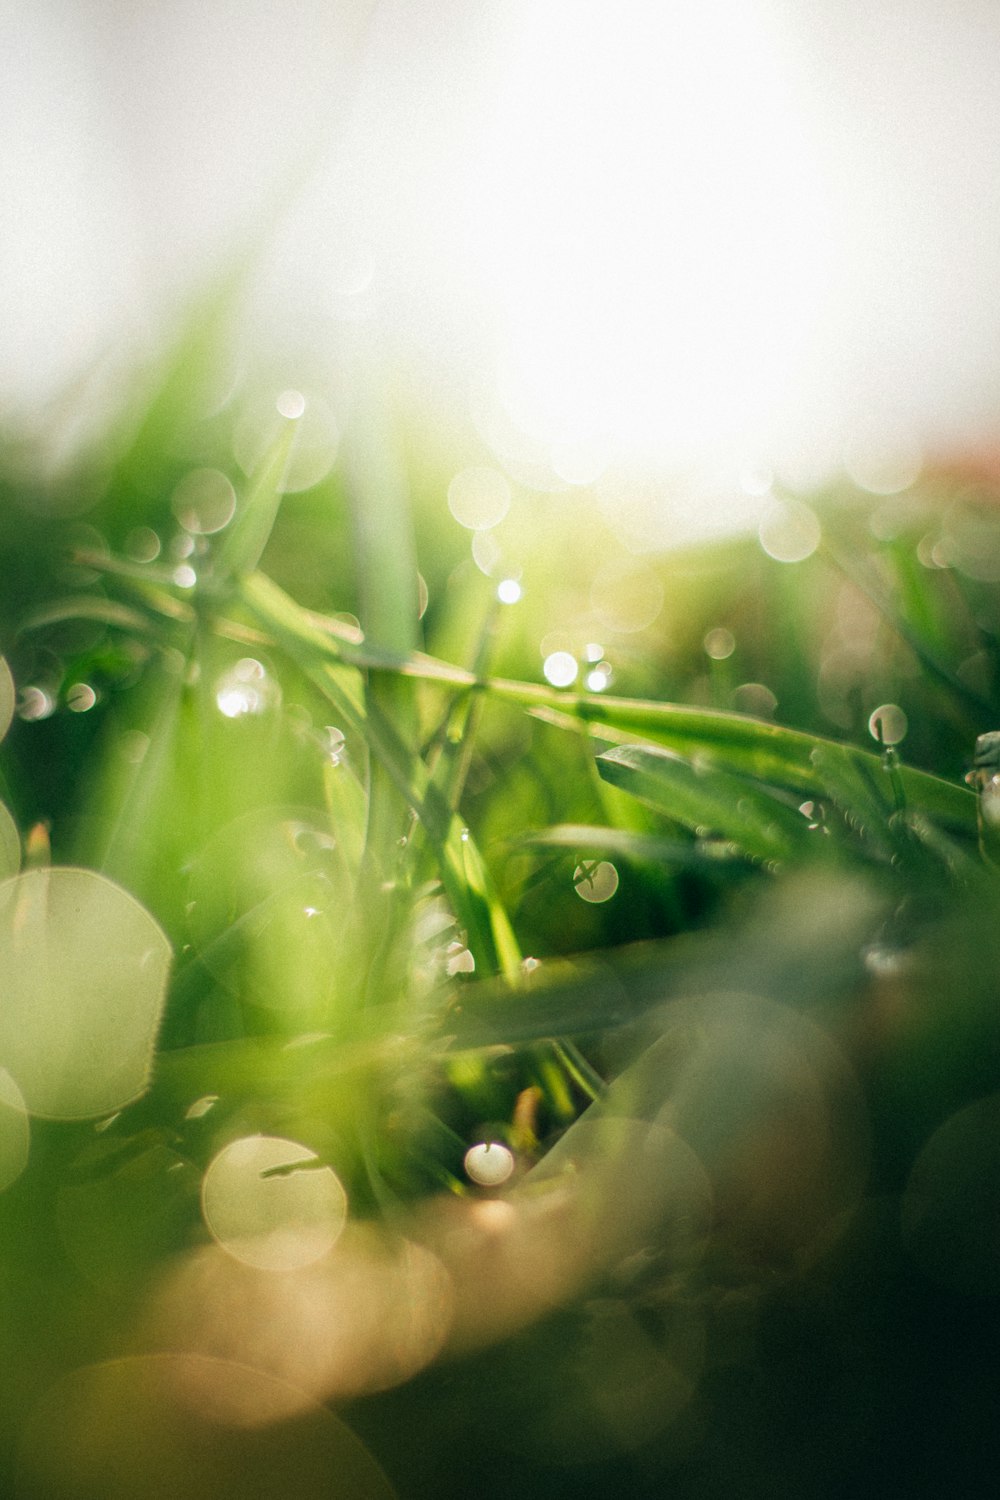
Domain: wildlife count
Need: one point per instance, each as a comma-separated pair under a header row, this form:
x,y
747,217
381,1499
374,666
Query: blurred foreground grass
x,y
700,950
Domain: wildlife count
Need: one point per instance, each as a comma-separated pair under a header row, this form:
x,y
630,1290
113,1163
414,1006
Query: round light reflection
x,y
789,531
888,724
479,498
595,883
269,1203
204,501
560,668
489,1164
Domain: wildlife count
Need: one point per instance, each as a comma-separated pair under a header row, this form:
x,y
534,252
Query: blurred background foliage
x,y
657,872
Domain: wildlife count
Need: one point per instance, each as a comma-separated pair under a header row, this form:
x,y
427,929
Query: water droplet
x,y
270,1203
142,544
81,697
201,1107
756,699
291,404
884,962
333,743
458,959
489,1164
36,703
82,1001
133,746
185,576
560,668
880,468
930,553
888,724
245,689
237,700
719,643
595,883
508,591
310,841
599,677
204,501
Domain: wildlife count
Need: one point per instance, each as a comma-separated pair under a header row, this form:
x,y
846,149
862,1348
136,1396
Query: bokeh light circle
x,y
489,1164
271,1204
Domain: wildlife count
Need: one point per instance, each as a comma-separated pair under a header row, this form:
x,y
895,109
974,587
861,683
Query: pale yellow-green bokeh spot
x,y
271,1204
15,1132
10,845
83,975
7,697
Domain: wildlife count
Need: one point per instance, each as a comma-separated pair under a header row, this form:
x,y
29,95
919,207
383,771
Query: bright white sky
x,y
737,232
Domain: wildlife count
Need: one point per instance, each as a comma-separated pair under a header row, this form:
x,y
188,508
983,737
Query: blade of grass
x,y
386,573
851,787
89,607
703,797
623,843
803,945
463,873
249,532
767,752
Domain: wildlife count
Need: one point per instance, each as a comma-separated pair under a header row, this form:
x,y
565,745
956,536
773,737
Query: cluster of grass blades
x,y
710,994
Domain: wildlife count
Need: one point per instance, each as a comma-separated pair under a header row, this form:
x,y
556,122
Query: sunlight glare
x,y
648,279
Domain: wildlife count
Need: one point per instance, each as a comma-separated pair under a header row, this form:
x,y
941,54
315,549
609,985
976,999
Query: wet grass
x,y
419,897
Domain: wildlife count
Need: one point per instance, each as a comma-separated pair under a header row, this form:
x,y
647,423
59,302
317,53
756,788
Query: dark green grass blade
x,y
703,797
385,567
862,793
463,873
623,843
771,753
803,945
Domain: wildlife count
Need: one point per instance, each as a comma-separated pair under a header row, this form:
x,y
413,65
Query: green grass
x,y
747,1239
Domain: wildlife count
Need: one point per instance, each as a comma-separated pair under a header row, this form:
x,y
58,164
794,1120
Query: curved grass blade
x,y
766,752
769,753
88,607
623,843
701,796
851,786
464,875
802,945
248,535
386,571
